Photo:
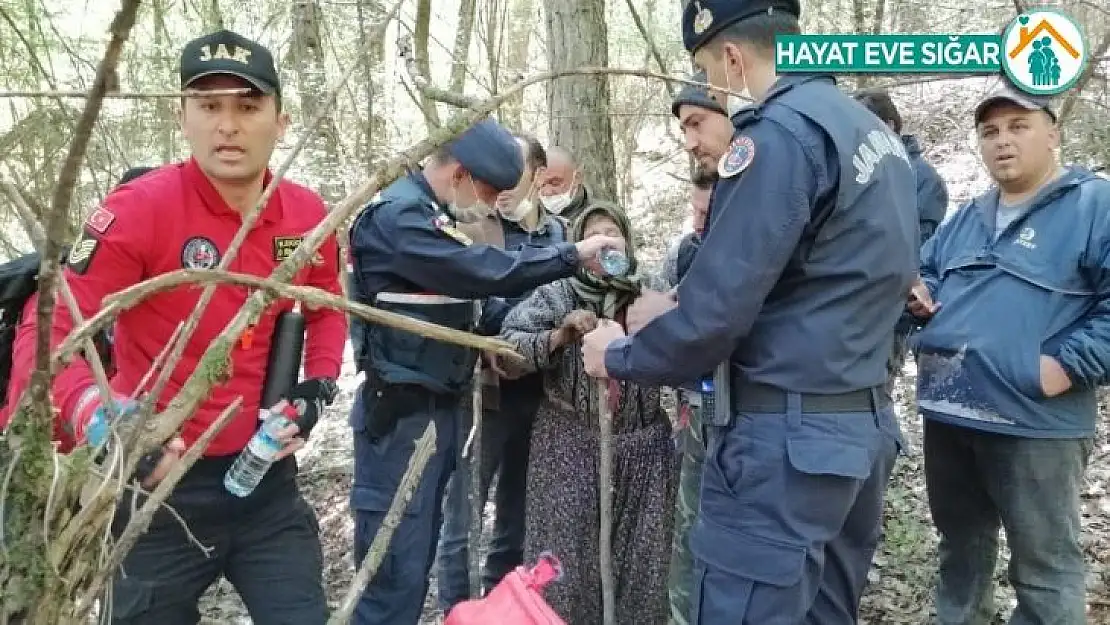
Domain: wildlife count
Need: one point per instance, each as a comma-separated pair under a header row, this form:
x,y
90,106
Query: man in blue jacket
x,y
1015,293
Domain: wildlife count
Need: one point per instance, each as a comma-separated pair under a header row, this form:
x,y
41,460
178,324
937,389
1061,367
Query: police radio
x,y
286,349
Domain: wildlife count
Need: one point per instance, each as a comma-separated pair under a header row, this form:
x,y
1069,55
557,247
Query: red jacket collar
x,y
197,179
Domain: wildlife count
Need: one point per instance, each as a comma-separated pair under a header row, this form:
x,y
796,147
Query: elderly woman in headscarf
x,y
562,502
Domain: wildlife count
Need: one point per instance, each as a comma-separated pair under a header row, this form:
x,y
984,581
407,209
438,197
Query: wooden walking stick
x,y
472,454
605,486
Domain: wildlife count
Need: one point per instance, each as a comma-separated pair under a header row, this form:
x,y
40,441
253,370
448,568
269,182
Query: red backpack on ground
x,y
516,600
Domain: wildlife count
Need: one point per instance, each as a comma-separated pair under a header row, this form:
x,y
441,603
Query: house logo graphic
x,y
1044,52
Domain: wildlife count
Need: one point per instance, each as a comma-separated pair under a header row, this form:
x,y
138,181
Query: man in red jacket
x,y
185,215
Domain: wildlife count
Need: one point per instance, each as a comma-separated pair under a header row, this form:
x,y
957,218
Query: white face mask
x,y
734,104
556,203
468,214
518,212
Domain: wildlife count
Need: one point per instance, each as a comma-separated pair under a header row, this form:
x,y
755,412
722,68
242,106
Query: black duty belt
x,y
754,397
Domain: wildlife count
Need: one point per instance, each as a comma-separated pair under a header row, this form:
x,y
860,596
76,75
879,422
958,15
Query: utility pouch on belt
x,y
717,396
385,404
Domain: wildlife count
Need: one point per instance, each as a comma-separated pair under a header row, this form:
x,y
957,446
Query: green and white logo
x,y
1044,52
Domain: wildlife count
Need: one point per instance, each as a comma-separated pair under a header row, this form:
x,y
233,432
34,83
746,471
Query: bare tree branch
x,y
650,42
1068,106
132,296
38,238
423,85
123,95
425,447
138,524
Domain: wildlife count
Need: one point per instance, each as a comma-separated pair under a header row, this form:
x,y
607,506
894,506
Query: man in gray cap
x,y
411,258
1014,296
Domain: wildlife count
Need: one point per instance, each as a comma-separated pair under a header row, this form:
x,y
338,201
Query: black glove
x,y
309,398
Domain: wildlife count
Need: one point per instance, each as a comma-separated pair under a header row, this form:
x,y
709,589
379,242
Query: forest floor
x,y
901,578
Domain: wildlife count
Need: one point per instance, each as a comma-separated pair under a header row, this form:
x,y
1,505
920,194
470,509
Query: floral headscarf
x,y
607,296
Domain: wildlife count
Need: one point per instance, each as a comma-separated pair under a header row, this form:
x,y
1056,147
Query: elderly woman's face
x,y
600,223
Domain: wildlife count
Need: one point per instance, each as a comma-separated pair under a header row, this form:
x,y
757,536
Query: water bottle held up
x,y
613,261
256,458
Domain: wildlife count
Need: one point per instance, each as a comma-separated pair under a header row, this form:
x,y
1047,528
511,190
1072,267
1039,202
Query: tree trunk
x,y
579,105
323,158
370,13
420,49
516,61
859,27
462,45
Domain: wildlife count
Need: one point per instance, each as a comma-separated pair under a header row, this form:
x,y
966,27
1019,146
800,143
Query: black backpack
x,y
19,280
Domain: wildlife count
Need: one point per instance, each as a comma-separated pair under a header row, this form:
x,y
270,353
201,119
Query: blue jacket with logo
x,y
1041,287
932,194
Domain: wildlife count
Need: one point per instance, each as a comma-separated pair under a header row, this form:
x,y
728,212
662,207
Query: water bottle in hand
x,y
613,261
255,459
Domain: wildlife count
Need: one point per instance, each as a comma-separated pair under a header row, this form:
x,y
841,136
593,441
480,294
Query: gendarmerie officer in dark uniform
x,y
806,266
410,257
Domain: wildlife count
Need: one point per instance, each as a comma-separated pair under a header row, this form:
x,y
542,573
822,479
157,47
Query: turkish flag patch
x,y
100,219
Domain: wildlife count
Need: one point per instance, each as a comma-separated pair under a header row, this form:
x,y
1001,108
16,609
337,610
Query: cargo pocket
x,y
832,472
732,565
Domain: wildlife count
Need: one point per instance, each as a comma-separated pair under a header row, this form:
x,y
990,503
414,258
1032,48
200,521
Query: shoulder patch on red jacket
x,y
100,219
81,254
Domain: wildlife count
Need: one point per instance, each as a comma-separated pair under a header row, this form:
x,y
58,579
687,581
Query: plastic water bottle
x,y
613,261
255,459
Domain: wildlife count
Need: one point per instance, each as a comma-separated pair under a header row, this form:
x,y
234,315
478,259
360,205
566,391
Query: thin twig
x,y
126,95
55,475
38,239
39,396
139,522
650,42
425,447
120,301
16,452
137,490
605,502
158,362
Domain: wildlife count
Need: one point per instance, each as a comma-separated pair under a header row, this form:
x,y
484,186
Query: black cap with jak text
x,y
227,52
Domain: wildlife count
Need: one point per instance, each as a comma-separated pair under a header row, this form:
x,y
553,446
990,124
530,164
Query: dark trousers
x,y
396,593
506,438
791,513
979,482
267,545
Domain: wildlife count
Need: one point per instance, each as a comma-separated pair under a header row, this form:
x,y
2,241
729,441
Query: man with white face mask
x,y
561,190
509,407
803,272
411,258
